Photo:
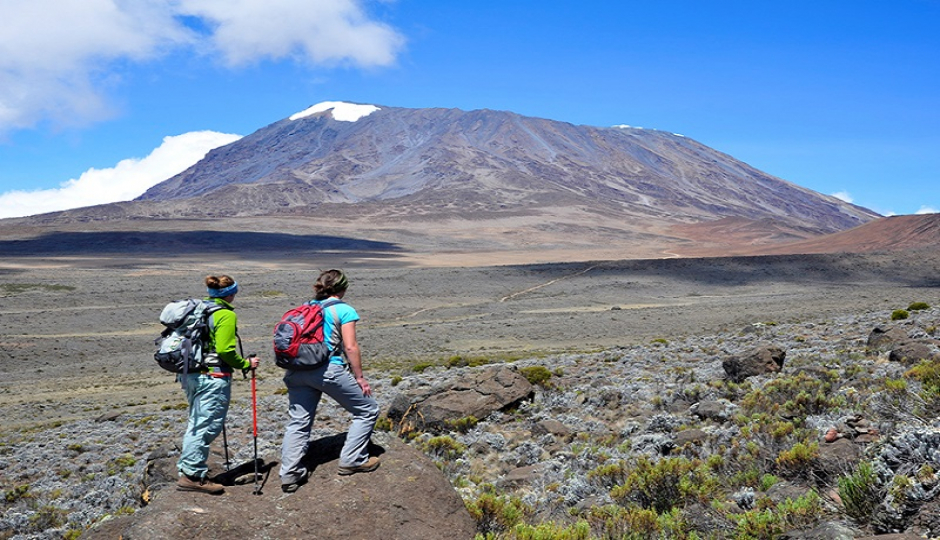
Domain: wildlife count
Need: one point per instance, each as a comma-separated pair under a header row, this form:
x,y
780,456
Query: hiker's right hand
x,y
254,361
366,389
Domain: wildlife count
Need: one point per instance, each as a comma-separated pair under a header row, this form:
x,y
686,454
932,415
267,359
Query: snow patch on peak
x,y
341,111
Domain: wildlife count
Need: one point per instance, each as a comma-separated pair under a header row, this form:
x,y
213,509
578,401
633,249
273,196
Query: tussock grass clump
x,y
899,315
918,306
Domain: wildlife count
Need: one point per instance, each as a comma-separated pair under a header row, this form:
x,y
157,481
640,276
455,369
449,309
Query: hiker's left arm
x,y
351,348
226,342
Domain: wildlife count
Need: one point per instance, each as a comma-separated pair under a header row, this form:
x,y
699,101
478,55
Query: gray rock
x,y
758,361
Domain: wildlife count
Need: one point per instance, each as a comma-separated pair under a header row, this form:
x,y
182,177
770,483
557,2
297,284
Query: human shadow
x,y
327,449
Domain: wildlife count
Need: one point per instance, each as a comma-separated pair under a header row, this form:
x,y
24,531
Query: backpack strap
x,y
330,302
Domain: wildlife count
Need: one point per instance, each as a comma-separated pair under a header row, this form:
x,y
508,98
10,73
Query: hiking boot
x,y
192,483
369,466
292,487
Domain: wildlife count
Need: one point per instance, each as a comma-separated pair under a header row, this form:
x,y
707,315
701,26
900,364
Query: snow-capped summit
x,y
341,111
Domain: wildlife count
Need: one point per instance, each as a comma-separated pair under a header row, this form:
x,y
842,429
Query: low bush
x,y
899,315
860,492
497,514
918,306
536,374
666,484
798,460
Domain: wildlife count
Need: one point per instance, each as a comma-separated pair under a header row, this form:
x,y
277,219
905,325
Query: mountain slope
x,y
437,163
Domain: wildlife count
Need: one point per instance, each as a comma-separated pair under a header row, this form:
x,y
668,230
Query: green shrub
x,y
860,492
19,492
181,406
918,306
396,380
666,484
119,464
444,447
550,531
47,517
767,481
798,460
801,512
536,374
899,314
758,524
796,396
384,423
610,474
421,366
464,424
624,523
497,514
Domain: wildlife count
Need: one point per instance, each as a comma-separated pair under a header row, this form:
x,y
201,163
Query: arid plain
x,y
76,333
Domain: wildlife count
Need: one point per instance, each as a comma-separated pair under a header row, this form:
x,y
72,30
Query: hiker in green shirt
x,y
208,391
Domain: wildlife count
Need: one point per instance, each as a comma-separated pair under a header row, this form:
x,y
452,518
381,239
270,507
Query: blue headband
x,y
222,293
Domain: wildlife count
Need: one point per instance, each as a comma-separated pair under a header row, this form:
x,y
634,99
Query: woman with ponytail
x,y
208,390
342,379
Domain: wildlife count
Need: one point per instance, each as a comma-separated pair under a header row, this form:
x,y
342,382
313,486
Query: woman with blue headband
x,y
208,391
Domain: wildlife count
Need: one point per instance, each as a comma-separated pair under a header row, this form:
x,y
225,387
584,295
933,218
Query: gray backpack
x,y
184,345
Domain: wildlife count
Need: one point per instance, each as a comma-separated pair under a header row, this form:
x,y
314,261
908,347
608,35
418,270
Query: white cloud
x,y
844,196
126,180
58,58
927,210
320,31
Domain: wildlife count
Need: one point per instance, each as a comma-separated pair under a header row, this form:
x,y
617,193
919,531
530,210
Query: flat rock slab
x,y
406,497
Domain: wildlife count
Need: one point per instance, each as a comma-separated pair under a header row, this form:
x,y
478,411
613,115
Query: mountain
x,y
452,187
431,164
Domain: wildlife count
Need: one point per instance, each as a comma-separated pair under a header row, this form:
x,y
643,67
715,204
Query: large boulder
x,y
885,337
911,353
406,497
760,360
478,394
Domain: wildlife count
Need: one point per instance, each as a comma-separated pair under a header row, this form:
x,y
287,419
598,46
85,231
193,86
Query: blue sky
x,y
99,99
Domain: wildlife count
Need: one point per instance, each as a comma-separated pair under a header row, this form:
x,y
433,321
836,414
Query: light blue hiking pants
x,y
304,389
208,404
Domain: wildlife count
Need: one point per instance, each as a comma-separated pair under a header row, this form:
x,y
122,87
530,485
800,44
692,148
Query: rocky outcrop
x,y
406,497
477,395
884,337
758,361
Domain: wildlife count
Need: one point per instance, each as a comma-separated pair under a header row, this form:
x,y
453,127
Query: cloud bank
x,y
126,180
58,58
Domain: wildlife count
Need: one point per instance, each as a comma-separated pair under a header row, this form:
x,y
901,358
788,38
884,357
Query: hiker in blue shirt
x,y
342,379
208,391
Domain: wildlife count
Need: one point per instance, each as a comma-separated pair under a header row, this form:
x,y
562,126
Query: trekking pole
x,y
228,463
254,424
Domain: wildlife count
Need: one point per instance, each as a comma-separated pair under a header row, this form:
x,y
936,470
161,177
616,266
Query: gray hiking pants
x,y
304,389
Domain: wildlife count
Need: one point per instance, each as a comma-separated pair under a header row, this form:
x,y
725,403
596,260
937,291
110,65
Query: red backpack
x,y
298,339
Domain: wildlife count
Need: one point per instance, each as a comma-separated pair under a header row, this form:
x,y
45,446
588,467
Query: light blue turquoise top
x,y
331,334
